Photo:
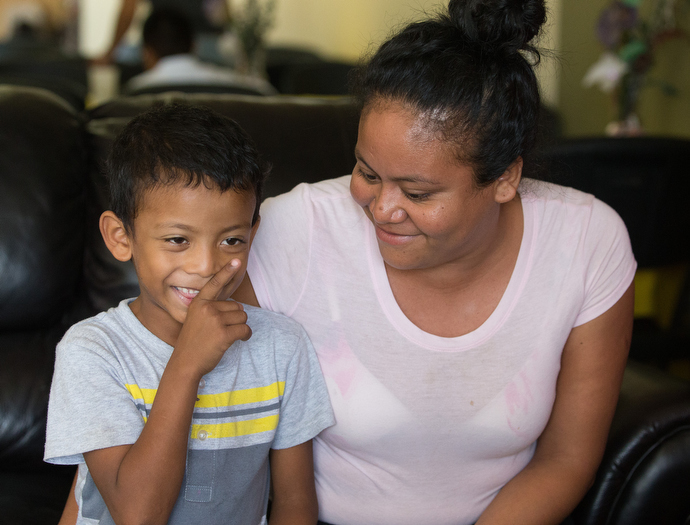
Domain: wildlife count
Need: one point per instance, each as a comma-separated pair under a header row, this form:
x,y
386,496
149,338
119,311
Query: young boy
x,y
236,388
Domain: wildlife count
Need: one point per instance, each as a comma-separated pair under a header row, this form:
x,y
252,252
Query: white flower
x,y
606,72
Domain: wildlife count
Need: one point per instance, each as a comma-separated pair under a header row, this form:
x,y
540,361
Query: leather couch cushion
x,y
42,179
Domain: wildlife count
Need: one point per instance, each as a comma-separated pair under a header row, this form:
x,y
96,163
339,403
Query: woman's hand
x,y
570,449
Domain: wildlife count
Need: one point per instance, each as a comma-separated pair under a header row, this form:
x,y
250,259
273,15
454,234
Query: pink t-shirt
x,y
428,429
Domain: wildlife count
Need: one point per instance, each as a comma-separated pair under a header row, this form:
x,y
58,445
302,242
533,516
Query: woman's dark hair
x,y
468,72
181,144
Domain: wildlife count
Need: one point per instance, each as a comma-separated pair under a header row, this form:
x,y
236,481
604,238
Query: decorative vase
x,y
627,96
251,61
628,127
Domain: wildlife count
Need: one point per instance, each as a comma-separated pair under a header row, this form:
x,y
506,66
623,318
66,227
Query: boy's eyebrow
x,y
187,227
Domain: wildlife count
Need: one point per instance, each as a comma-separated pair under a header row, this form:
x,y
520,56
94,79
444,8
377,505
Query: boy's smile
x,y
182,236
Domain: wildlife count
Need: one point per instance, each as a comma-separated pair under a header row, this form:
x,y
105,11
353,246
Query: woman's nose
x,y
386,208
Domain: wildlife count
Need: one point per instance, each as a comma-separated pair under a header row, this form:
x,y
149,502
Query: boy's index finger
x,y
212,289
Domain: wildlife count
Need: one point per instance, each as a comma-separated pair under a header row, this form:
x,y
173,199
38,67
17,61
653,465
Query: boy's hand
x,y
212,324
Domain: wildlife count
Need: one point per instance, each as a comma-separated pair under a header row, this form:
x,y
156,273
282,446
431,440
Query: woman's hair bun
x,y
509,25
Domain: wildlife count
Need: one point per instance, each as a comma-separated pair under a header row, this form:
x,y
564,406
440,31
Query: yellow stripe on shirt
x,y
225,399
241,397
234,429
146,395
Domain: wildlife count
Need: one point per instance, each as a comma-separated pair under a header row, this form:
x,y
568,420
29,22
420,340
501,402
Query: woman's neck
x,y
457,297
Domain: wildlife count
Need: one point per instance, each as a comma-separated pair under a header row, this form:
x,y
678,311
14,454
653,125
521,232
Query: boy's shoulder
x,y
275,335
104,330
271,323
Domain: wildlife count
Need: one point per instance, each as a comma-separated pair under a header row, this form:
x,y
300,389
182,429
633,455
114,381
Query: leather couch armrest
x,y
644,476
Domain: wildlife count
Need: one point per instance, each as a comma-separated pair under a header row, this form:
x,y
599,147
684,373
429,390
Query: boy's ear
x,y
115,236
507,184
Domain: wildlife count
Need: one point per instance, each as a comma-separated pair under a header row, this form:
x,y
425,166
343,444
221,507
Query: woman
x,y
472,326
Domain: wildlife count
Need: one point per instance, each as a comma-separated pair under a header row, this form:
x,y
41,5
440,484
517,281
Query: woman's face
x,y
423,203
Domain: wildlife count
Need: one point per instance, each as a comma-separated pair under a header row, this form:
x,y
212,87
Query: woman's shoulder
x,y
554,198
325,189
532,190
298,206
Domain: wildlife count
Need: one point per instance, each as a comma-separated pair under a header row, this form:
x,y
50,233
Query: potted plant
x,y
250,24
631,43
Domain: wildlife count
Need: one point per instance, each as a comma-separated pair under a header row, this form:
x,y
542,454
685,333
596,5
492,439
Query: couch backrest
x,y
42,231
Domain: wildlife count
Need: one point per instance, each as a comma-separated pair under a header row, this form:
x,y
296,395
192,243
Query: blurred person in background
x,y
208,17
168,41
47,18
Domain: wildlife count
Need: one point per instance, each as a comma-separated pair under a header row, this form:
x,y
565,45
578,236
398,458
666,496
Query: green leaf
x,y
632,50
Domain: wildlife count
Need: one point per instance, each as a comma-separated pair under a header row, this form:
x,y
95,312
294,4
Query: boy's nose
x,y
204,262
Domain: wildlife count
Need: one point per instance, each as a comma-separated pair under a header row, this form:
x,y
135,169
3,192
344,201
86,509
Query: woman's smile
x,y
389,237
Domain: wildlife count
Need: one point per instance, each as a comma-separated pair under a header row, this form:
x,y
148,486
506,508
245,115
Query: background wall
x,y
338,29
346,29
586,111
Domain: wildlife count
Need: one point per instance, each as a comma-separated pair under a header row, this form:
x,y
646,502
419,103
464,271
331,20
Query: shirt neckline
x,y
152,341
416,335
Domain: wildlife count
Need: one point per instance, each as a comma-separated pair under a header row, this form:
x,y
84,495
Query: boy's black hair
x,y
180,143
168,32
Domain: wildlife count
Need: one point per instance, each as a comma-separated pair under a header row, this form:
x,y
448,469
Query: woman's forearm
x,y
544,493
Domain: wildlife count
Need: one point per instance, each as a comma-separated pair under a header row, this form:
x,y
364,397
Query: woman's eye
x,y
417,197
368,177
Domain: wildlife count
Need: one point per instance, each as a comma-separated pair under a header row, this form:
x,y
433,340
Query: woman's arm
x,y
570,449
294,494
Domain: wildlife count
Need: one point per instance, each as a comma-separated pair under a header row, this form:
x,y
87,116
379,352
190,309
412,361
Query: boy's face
x,y
181,238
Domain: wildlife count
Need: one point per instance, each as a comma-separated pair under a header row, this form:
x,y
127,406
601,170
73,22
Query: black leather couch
x,y
54,270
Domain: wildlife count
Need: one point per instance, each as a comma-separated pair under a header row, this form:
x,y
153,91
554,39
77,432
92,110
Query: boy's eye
x,y
176,241
232,241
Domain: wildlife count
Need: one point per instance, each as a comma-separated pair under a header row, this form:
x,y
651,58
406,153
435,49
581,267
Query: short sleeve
x,y
305,407
609,263
279,259
90,407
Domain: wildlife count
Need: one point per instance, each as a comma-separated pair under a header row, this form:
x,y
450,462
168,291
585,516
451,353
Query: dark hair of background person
x,y
168,32
469,73
180,143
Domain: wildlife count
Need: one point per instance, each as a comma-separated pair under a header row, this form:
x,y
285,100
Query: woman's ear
x,y
507,184
115,236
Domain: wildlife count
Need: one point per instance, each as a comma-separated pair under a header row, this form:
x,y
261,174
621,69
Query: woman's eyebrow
x,y
416,179
359,157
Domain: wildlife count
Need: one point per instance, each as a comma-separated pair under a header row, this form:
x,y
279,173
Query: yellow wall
x,y
586,111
